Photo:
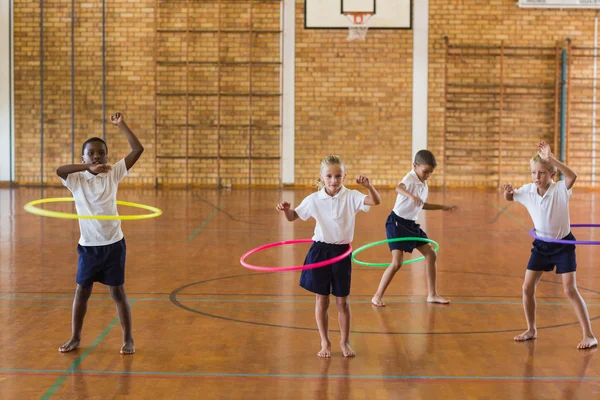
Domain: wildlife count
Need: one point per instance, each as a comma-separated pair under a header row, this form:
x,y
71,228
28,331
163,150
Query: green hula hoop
x,y
403,239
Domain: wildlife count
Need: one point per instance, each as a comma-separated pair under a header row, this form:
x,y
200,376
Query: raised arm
x,y
568,173
372,198
136,147
64,170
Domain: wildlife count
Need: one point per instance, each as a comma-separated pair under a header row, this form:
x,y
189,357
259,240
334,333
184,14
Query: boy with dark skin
x,y
101,247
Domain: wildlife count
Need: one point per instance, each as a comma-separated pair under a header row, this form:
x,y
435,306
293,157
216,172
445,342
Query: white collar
x,y
89,175
416,177
534,188
322,194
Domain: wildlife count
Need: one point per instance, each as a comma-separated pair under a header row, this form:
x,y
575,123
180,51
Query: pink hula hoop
x,y
295,267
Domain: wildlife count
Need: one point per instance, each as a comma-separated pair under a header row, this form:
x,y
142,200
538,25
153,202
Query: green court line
x,y
80,359
509,215
206,221
176,374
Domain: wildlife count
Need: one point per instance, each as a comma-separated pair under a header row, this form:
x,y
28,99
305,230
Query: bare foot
x,y
128,347
377,301
436,298
325,351
588,343
71,345
527,335
347,350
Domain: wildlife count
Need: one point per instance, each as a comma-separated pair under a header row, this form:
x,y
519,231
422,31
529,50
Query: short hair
x,y
91,140
331,159
538,159
425,157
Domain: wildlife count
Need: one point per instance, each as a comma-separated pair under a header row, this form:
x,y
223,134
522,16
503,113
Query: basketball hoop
x,y
358,25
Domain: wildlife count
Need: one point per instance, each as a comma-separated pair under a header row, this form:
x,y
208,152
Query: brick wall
x,y
488,23
352,98
146,54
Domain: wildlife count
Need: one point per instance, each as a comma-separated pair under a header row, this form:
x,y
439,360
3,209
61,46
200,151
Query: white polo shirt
x,y
335,215
405,207
97,195
550,213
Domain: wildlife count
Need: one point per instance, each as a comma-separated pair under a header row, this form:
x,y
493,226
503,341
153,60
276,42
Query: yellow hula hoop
x,y
31,207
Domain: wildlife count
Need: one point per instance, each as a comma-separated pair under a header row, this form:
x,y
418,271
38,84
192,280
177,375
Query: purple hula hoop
x,y
550,240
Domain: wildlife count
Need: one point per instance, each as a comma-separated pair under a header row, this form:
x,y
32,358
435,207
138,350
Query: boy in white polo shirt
x,y
101,246
334,207
548,204
411,199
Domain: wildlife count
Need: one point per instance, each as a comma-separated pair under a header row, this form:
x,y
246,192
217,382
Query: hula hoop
x,y
403,239
550,240
295,267
30,207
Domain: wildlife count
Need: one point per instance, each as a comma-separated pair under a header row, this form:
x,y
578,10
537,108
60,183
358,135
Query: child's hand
x,y
117,119
544,151
417,200
283,206
508,188
99,168
449,208
363,181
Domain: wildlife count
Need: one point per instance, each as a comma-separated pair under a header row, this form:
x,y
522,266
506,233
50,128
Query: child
x,y
412,194
548,204
101,246
334,207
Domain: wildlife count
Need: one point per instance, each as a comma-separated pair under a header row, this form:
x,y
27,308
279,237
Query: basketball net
x,y
357,30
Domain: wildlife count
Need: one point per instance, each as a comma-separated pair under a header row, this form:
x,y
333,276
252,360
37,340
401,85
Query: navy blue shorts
x,y
398,227
544,256
332,279
104,264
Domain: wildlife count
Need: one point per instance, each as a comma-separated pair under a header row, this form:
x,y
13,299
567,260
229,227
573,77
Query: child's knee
x,y
323,300
431,256
342,303
528,290
83,292
571,291
395,265
118,293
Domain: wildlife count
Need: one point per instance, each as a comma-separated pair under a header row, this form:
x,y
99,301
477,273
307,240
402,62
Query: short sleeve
x,y
520,195
562,186
358,201
304,209
407,184
119,171
69,183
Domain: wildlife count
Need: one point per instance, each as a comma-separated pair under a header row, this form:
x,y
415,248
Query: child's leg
x,y
570,287
387,277
345,318
82,295
431,268
532,278
120,298
322,317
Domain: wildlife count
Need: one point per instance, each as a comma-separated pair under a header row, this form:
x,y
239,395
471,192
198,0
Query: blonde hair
x,y
331,159
537,159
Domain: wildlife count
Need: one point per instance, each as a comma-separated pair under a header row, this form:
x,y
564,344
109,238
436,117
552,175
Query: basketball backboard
x,y
329,14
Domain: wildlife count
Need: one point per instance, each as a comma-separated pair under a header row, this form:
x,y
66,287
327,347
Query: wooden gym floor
x,y
207,328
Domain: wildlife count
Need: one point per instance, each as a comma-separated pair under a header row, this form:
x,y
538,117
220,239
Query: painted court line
x,y
175,374
206,221
80,359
